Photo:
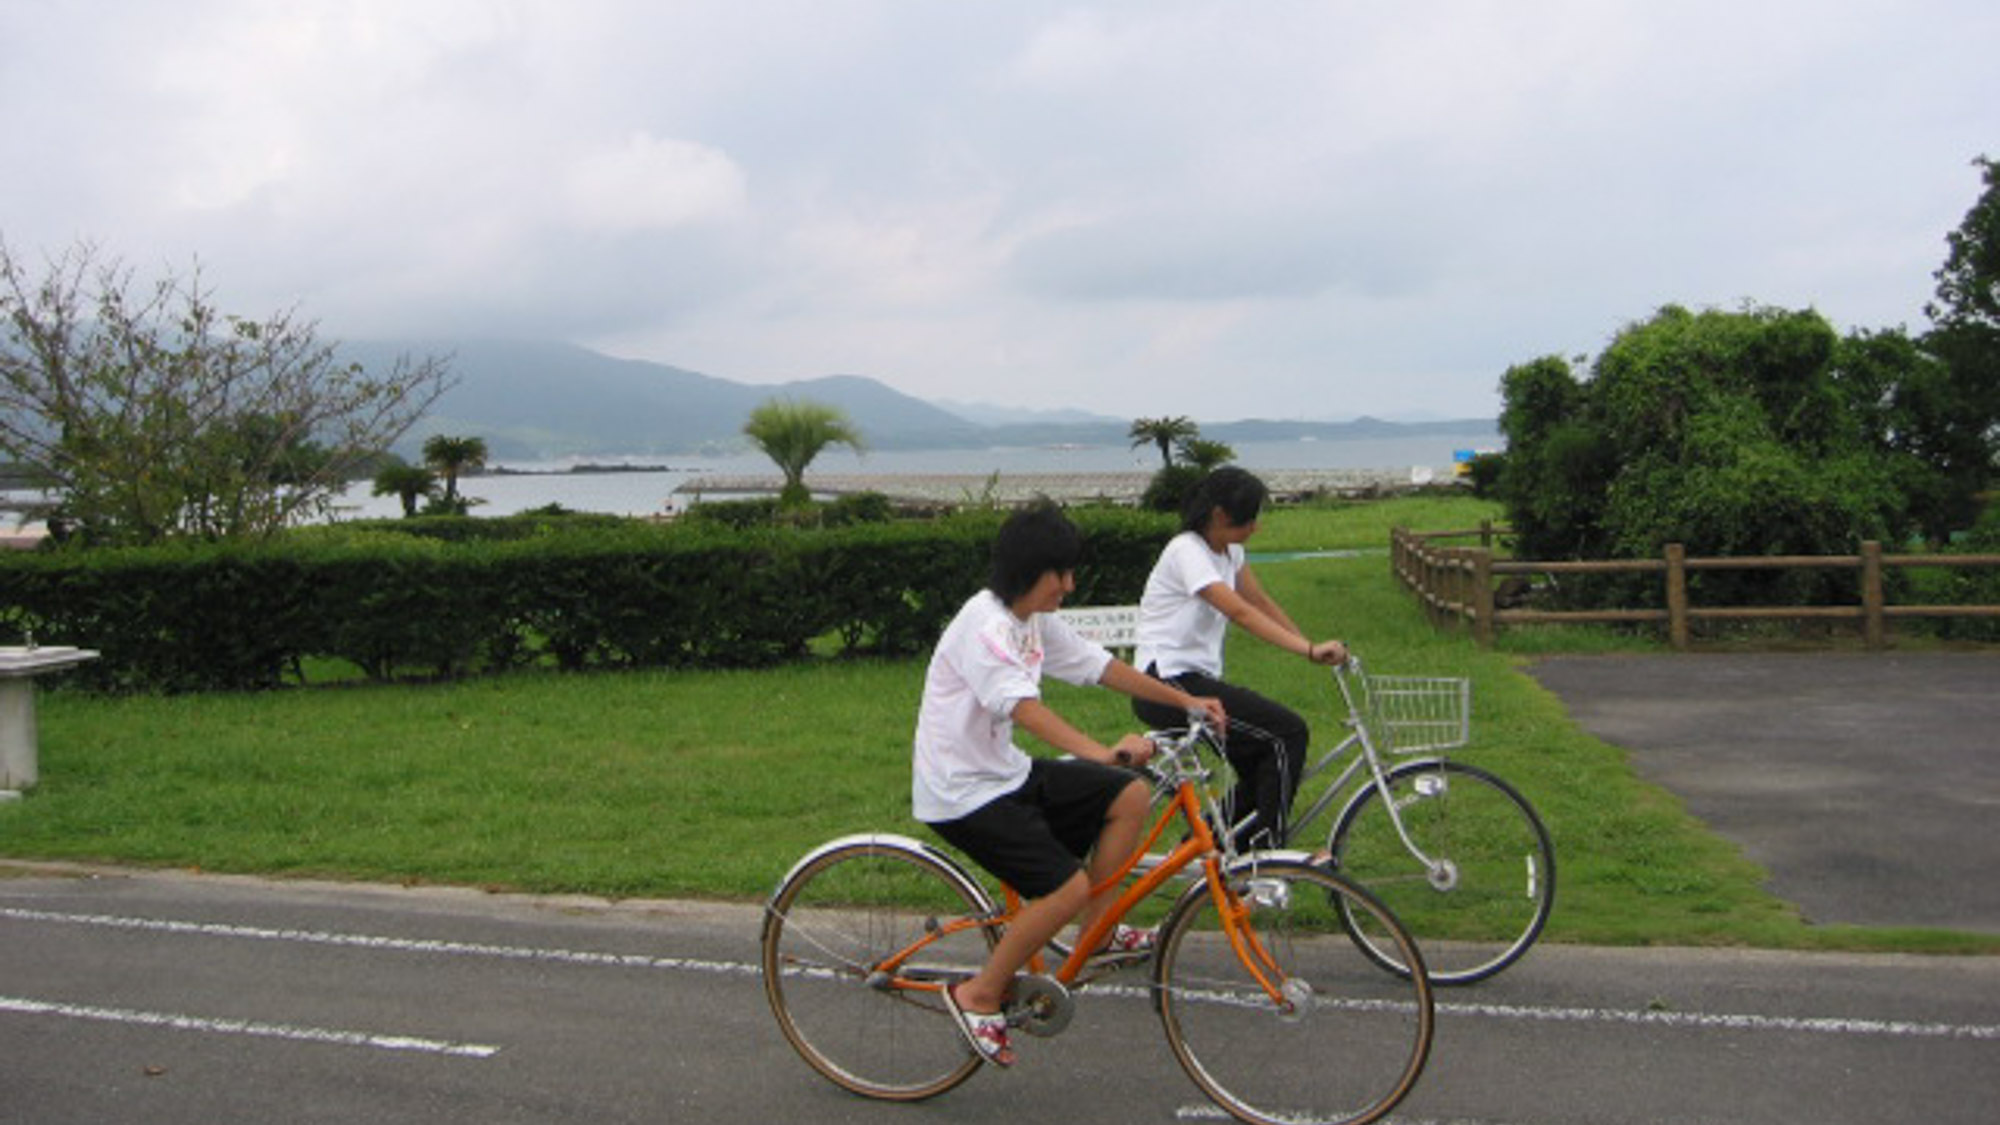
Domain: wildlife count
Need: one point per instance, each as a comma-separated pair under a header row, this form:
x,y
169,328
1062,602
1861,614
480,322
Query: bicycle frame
x,y
1199,847
1360,744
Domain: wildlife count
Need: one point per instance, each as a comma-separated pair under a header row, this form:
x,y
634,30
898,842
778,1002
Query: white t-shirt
x,y
1178,630
987,661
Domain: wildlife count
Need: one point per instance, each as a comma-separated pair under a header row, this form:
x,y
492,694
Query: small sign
x,y
1113,626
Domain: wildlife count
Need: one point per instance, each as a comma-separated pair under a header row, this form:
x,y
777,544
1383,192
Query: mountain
x,y
534,400
989,414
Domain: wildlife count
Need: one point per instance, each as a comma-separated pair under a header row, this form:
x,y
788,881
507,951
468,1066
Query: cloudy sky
x,y
1234,209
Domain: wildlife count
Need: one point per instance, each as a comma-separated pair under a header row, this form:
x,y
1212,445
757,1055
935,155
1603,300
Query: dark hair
x,y
1035,540
1236,491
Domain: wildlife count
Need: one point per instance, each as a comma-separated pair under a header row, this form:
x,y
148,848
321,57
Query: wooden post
x,y
1677,596
1874,629
1486,534
1482,597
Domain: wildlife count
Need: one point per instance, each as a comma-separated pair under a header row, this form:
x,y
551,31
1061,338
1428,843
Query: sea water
x,y
644,489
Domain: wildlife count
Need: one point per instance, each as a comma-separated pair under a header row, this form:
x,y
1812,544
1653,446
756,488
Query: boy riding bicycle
x,y
1051,829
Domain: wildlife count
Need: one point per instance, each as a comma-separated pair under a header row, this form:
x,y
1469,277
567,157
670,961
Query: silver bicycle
x,y
1453,850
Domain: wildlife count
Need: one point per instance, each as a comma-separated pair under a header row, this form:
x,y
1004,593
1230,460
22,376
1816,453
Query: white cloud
x,y
653,183
1210,208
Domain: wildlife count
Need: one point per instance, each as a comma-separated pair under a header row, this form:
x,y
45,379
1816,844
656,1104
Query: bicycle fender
x,y
1241,865
893,841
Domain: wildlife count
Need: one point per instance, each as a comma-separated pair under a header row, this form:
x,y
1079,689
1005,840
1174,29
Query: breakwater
x,y
1017,488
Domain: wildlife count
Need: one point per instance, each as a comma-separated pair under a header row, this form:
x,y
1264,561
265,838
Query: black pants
x,y
1267,745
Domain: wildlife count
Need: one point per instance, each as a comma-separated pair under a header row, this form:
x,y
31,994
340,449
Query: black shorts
x,y
1035,838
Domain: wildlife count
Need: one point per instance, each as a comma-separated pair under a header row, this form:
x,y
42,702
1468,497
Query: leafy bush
x,y
1731,433
1169,488
587,595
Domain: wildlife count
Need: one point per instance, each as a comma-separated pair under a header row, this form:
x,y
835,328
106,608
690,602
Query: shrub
x,y
626,594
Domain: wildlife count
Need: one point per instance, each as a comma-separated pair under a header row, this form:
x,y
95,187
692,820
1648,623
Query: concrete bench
x,y
19,665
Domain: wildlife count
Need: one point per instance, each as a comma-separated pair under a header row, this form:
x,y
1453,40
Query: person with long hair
x,y
1201,584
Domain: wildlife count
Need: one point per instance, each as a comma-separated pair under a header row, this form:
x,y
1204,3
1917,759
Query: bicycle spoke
x,y
1494,895
828,931
1343,1042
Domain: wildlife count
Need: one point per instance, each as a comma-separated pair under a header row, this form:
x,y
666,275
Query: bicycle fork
x,y
1234,910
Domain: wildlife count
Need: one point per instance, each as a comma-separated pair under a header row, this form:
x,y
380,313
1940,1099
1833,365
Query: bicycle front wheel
x,y
828,931
1324,1035
1494,885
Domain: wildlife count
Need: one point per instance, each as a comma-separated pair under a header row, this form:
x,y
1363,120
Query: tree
x,y
407,483
448,457
792,434
1968,283
1965,338
1728,432
1164,433
1206,455
150,413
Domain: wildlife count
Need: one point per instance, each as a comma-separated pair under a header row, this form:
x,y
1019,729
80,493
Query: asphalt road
x,y
1867,784
175,999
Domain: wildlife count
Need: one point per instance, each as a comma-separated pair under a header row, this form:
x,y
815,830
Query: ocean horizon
x,y
645,484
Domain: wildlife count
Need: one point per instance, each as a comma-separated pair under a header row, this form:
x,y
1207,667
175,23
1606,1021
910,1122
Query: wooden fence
x,y
1460,583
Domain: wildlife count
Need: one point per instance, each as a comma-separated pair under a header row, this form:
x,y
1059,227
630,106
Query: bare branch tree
x,y
151,414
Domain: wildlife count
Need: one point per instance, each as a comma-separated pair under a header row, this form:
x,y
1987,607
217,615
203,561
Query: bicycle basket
x,y
1412,714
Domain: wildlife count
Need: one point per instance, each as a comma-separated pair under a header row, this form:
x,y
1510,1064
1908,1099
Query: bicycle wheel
x,y
1348,1041
834,919
1498,884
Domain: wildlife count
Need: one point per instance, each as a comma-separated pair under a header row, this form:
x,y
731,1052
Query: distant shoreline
x,y
1015,488
580,468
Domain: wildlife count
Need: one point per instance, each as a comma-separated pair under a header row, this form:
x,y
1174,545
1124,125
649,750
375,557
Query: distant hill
x,y
988,414
540,400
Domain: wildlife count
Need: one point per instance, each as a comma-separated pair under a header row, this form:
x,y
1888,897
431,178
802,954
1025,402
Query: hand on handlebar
x,y
1211,709
1133,750
1327,652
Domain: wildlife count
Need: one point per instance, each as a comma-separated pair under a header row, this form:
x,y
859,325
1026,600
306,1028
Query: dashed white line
x,y
1737,1022
177,1022
378,942
1692,1020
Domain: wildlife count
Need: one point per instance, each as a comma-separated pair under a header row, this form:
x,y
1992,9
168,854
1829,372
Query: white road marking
x,y
177,1022
1733,1022
1693,1020
373,941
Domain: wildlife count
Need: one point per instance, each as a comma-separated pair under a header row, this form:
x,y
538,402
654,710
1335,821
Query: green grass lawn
x,y
710,784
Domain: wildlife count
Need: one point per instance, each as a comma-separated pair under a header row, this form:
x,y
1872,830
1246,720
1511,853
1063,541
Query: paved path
x,y
1867,784
172,999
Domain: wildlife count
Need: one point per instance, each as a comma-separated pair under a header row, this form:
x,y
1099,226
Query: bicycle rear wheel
x,y
837,917
1487,905
1346,1043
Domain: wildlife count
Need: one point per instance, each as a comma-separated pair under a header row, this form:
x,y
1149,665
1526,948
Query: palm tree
x,y
1204,454
450,456
1165,433
406,482
792,434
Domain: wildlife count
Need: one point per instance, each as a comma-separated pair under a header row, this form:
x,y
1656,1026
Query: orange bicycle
x,y
1259,984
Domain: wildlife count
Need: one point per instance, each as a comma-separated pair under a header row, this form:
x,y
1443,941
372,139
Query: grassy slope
x,y
711,783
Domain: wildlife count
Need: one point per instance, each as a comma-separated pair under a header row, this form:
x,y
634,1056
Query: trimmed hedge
x,y
238,617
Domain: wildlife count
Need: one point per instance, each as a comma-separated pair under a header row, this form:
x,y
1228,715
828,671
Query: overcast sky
x,y
1219,209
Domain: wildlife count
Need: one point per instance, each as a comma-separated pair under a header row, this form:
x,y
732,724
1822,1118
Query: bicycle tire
x,y
1353,1041
837,915
1504,866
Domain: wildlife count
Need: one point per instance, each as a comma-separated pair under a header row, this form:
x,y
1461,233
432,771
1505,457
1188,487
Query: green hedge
x,y
233,617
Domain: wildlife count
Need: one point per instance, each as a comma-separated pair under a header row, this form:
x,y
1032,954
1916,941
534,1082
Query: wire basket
x,y
1413,714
